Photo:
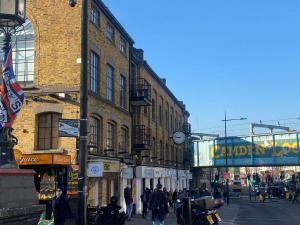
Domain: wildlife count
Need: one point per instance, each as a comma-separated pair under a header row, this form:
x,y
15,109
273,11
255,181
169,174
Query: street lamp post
x,y
82,188
226,149
178,139
12,16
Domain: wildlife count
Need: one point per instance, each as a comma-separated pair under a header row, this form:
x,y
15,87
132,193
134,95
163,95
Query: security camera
x,y
72,3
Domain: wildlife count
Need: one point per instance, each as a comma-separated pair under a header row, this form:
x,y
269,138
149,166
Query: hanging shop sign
x,y
145,172
68,128
95,169
111,167
127,173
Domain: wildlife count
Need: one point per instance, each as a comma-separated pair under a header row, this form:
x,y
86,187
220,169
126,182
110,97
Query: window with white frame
x,y
95,15
109,82
94,75
94,135
123,91
122,45
110,141
110,32
23,54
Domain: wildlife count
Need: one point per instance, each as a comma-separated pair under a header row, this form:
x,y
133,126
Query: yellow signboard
x,y
111,167
41,159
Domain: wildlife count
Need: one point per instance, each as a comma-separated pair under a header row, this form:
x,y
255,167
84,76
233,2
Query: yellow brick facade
x,y
56,89
57,50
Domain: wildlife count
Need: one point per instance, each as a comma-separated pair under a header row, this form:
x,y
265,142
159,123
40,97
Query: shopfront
x,y
106,184
150,176
51,172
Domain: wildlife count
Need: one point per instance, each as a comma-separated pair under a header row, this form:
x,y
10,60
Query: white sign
x,y
144,172
95,169
127,173
148,173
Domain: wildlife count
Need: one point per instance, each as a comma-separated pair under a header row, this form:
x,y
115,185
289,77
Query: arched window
x,y
48,131
124,141
23,54
154,153
161,151
167,155
94,135
153,110
111,138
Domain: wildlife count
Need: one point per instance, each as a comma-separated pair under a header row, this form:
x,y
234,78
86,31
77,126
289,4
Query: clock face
x,y
178,137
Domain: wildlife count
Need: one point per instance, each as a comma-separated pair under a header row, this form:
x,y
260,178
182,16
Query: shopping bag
x,y
43,220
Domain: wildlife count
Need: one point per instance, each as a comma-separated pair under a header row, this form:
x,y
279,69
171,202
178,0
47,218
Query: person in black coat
x,y
145,197
159,206
61,208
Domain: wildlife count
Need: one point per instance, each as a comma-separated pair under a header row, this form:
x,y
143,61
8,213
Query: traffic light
x,y
248,178
254,178
216,180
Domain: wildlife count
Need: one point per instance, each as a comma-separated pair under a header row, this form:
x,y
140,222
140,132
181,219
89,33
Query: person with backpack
x,y
159,206
145,197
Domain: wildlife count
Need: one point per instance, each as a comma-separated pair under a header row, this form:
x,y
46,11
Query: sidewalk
x,y
138,220
228,215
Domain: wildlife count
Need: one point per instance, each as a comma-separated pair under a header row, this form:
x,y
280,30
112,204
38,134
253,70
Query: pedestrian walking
x,y
145,197
170,196
128,201
159,206
61,208
174,198
297,192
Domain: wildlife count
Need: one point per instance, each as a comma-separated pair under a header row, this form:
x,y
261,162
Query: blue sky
x,y
217,55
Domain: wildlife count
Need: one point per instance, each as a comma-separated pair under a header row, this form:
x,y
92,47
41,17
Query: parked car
x,y
237,186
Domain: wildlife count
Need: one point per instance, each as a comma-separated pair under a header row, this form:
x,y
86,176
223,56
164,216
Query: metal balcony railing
x,y
141,138
140,94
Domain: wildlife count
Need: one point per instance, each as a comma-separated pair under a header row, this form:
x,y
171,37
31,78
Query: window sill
x,y
112,41
52,150
97,26
111,103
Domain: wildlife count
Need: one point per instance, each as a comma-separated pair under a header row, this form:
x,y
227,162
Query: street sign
x,y
68,128
95,169
226,176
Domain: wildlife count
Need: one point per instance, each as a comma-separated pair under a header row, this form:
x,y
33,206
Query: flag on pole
x,y
12,95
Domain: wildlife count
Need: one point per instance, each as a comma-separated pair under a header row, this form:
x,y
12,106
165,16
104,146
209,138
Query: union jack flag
x,y
12,95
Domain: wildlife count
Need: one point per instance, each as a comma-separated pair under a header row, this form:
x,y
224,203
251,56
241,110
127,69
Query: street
x,y
243,212
275,212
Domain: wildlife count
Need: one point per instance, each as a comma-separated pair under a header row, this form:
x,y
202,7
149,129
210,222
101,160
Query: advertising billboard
x,y
262,150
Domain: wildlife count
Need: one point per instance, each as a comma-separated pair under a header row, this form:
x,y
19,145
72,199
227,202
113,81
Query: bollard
x,y
187,211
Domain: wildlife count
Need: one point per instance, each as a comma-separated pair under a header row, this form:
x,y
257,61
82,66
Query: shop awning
x,y
41,159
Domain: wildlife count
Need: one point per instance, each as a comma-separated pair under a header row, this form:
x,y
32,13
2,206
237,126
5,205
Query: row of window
x,y
171,123
110,79
162,153
96,144
110,30
48,138
48,135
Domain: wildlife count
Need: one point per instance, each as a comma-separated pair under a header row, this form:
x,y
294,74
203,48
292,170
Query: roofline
x,y
114,20
158,79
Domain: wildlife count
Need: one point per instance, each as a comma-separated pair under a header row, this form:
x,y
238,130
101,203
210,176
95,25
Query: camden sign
x,y
264,150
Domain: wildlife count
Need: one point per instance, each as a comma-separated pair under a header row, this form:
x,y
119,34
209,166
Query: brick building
x,y
157,114
125,137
